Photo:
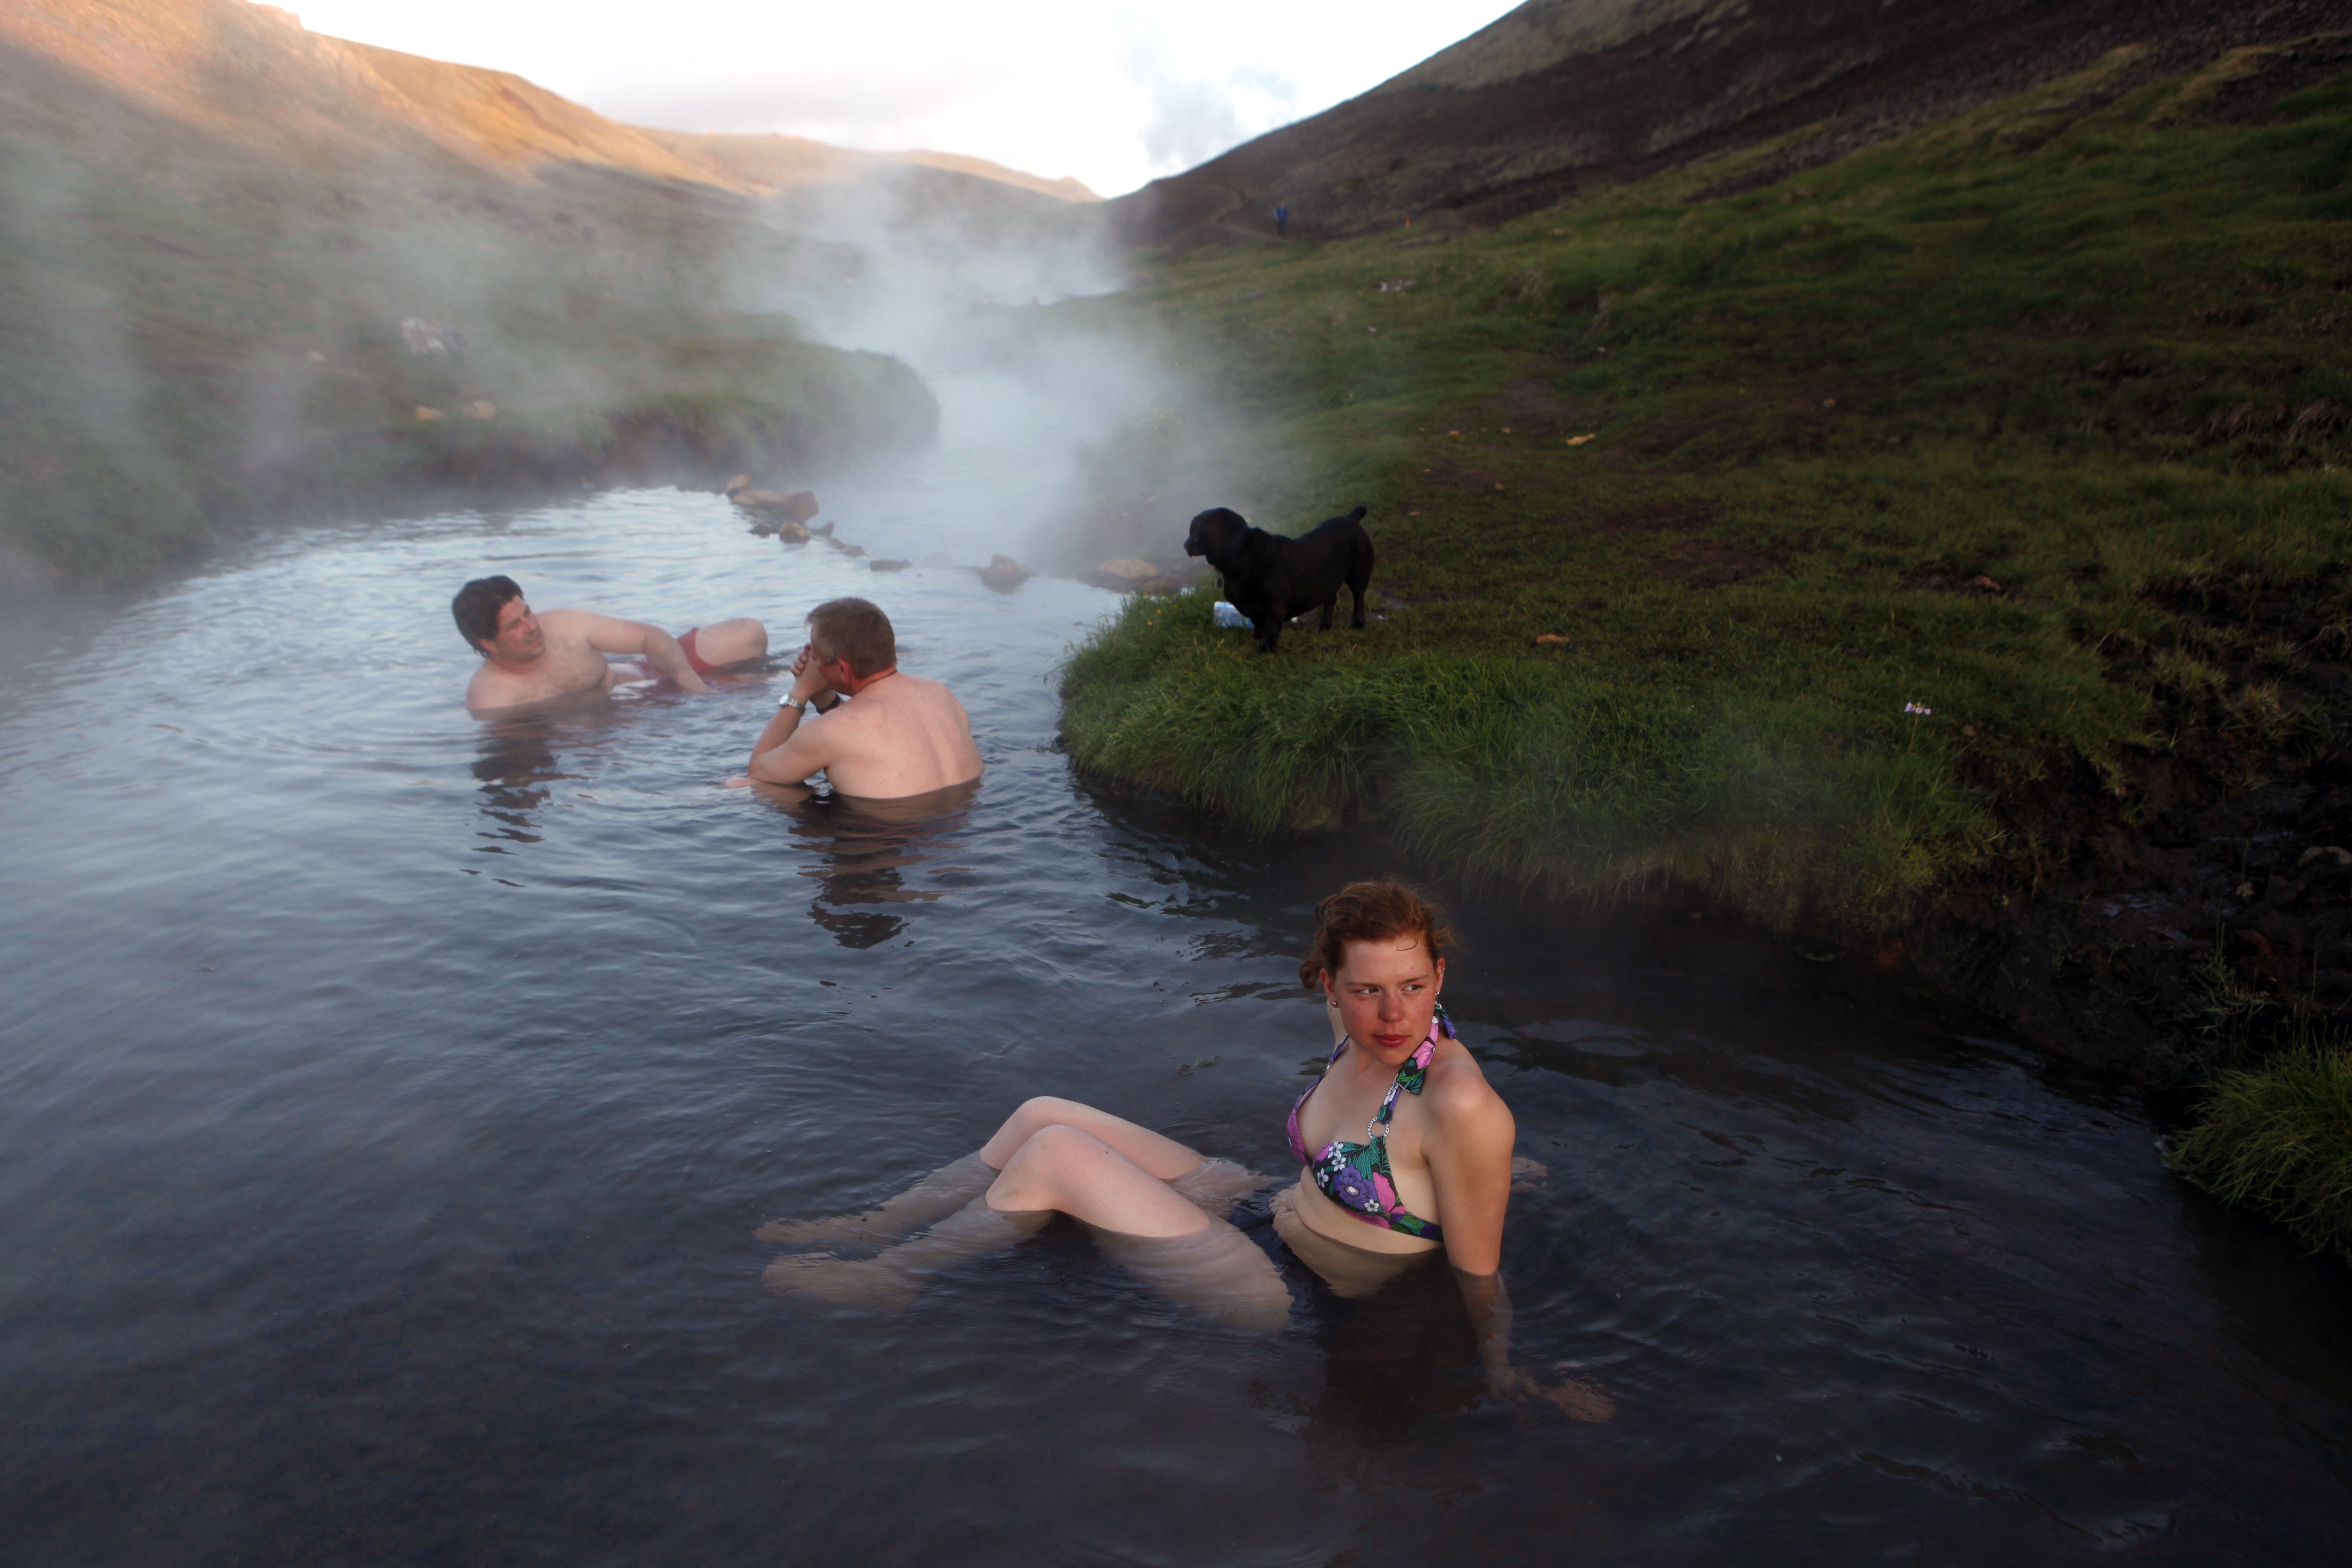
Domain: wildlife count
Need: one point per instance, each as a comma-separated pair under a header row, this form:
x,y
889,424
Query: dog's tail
x,y
1356,515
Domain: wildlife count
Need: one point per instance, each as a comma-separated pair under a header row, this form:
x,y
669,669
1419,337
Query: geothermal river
x,y
387,1101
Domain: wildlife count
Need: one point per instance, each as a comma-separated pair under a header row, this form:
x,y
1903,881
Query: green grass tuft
x,y
1499,766
2278,1139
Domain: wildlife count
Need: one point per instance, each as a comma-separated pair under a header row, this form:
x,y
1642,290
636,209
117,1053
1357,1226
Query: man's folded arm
x,y
610,633
790,751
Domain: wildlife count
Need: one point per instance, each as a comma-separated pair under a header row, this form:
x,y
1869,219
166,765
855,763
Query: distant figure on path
x,y
1281,219
886,735
530,659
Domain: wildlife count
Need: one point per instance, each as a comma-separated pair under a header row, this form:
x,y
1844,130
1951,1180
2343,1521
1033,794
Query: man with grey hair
x,y
879,733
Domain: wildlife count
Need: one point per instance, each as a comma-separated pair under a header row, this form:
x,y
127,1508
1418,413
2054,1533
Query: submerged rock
x,y
796,507
782,528
1004,574
1133,575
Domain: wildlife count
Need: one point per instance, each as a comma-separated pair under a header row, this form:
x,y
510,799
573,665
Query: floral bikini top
x,y
1356,1176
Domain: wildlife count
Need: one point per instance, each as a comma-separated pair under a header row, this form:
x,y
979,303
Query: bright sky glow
x,y
1113,91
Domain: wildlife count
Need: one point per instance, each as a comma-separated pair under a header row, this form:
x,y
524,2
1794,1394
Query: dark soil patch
x,y
1671,548
1658,516
1529,407
1943,577
2109,947
2107,956
1699,565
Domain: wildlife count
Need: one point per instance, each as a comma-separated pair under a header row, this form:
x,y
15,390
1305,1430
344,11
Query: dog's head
x,y
1214,532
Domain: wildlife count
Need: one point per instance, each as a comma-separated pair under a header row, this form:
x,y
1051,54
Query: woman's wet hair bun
x,y
1380,910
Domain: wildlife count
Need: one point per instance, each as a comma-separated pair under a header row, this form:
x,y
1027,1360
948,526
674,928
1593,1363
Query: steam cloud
x,y
1193,119
1092,446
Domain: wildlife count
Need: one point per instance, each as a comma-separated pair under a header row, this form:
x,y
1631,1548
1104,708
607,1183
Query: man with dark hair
x,y
530,659
884,735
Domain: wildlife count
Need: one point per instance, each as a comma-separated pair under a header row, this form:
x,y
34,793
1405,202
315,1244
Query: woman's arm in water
x,y
1468,1148
1469,1155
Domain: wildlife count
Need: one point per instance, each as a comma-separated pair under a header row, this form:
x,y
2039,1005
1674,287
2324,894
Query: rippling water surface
x,y
387,1100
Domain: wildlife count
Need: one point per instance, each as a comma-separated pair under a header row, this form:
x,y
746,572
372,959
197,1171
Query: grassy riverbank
x,y
212,336
2278,1139
2036,420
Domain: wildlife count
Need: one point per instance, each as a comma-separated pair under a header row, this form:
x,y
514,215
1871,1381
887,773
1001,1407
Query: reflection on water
x,y
354,1210
865,850
518,771
1390,1361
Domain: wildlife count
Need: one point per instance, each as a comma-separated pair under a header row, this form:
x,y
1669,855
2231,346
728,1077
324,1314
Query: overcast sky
x,y
1113,91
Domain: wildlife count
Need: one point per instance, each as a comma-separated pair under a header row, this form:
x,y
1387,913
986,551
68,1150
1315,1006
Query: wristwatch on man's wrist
x,y
786,701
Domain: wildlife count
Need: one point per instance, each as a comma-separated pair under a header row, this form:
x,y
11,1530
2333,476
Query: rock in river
x,y
1004,574
795,509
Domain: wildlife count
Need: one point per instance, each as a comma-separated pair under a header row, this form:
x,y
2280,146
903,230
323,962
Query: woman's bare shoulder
x,y
1459,1096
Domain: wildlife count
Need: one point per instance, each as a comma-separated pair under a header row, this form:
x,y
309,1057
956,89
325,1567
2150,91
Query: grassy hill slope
x,y
191,340
2036,420
1563,95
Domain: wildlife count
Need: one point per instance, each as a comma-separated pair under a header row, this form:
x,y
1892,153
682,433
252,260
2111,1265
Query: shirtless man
x,y
885,734
530,659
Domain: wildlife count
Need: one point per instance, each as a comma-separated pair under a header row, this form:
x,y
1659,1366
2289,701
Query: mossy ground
x,y
193,339
1984,421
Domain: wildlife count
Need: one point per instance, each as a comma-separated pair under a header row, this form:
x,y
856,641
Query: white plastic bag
x,y
1226,615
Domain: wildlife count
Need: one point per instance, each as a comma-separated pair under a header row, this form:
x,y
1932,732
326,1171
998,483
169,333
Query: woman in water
x,y
1432,1171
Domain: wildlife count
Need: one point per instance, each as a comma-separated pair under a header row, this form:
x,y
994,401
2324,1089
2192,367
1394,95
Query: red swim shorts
x,y
694,660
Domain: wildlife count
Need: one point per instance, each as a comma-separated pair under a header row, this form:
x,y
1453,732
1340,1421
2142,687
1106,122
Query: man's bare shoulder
x,y
492,691
910,684
568,624
936,693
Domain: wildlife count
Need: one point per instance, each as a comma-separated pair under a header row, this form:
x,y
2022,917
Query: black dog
x,y
1270,579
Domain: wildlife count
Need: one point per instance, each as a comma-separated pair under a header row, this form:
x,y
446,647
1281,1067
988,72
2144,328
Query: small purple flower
x,y
1919,709
1354,1192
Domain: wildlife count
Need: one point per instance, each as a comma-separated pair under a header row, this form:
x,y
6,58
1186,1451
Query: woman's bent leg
x,y
892,1279
947,1189
1158,1155
1217,1272
1064,1167
1059,1167
929,1201
1120,1179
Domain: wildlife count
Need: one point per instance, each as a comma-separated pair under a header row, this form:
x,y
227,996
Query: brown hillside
x,y
249,79
779,162
1564,93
